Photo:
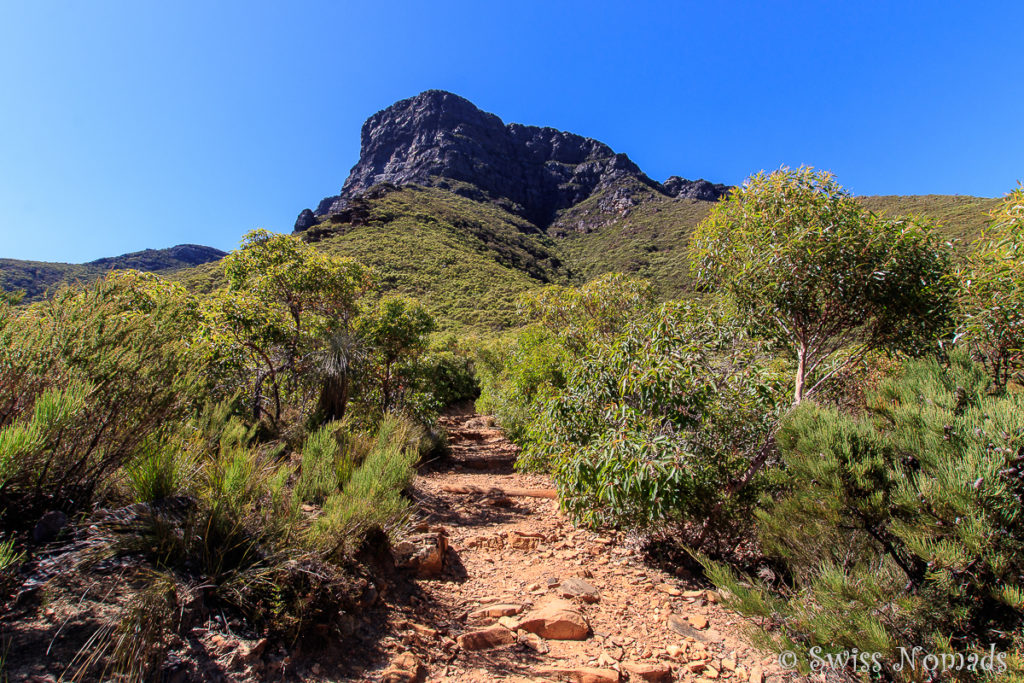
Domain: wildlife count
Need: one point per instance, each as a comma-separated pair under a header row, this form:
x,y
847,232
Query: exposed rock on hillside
x,y
437,137
694,189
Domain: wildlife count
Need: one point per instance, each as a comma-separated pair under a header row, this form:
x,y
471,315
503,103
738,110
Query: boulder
x,y
49,526
558,620
423,553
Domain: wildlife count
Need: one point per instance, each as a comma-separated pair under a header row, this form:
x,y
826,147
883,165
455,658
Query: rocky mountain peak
x,y
437,137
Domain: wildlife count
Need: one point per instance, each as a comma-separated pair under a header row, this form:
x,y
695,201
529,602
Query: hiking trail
x,y
526,596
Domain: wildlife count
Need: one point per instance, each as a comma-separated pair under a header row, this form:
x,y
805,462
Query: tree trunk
x,y
334,398
801,370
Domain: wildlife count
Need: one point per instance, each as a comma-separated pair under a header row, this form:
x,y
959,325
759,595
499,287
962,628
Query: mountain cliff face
x,y
437,137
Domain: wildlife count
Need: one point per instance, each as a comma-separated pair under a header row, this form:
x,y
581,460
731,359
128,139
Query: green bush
x,y
447,371
515,372
902,526
992,293
160,469
657,425
87,380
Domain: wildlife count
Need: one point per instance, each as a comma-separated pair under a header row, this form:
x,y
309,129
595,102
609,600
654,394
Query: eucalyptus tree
x,y
808,267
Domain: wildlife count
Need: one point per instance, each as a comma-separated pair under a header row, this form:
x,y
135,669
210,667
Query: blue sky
x,y
127,125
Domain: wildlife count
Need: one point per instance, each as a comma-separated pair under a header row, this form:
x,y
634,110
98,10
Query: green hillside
x,y
650,239
36,278
962,217
467,260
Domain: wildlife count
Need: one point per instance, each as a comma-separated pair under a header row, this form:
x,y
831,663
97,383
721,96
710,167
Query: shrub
x,y
325,468
447,371
161,469
372,498
394,333
901,527
86,380
516,372
10,560
656,426
992,293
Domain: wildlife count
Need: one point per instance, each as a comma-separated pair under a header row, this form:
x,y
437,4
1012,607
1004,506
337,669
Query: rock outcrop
x,y
440,139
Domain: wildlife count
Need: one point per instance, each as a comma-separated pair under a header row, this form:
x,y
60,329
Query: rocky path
x,y
526,596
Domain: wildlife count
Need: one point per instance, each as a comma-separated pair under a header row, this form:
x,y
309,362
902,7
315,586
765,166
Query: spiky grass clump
x,y
325,468
372,498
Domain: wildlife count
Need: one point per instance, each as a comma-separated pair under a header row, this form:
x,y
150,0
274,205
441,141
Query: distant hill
x,y
36,277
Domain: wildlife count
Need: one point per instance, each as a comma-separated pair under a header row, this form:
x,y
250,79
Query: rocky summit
x,y
442,140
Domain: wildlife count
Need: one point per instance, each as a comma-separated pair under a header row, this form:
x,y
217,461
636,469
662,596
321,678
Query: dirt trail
x,y
518,556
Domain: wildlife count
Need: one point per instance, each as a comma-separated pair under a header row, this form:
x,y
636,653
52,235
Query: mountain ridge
x,y
36,277
532,171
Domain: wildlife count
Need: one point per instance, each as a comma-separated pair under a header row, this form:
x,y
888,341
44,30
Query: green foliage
x,y
653,426
284,299
901,527
808,267
394,333
372,497
592,312
447,369
86,379
159,469
325,467
517,371
992,293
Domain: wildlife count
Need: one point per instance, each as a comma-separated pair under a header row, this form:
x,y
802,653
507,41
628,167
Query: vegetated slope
x,y
36,277
962,217
649,238
466,261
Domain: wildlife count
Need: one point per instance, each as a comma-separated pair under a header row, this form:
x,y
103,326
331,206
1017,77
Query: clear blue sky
x,y
127,125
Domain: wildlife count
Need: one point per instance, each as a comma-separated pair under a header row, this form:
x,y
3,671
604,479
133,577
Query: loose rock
x,y
581,674
578,588
557,621
486,639
655,673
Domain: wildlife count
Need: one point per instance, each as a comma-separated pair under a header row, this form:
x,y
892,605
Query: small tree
x,y
284,299
394,333
992,293
808,267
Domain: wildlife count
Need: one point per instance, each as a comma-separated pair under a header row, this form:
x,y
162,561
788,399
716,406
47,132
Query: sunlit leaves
x,y
992,293
806,265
